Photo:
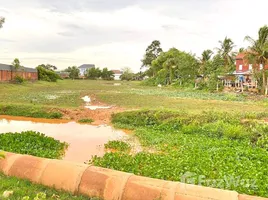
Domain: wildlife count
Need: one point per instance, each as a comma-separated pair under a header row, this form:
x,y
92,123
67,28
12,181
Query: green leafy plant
x,y
32,143
117,145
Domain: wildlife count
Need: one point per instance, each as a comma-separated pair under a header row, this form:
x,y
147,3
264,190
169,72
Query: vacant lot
x,y
130,95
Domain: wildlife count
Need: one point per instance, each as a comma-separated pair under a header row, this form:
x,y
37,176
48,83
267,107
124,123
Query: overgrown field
x,y
68,93
222,150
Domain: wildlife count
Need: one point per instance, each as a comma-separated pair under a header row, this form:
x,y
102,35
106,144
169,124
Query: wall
x,y
6,75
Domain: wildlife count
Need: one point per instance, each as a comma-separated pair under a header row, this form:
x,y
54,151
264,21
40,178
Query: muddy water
x,y
84,140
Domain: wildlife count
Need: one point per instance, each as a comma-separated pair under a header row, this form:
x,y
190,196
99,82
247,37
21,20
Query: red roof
x,y
117,71
240,56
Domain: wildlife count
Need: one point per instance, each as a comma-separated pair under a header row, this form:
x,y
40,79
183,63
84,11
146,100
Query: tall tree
x,y
107,74
73,72
16,64
2,21
205,58
226,51
257,52
152,52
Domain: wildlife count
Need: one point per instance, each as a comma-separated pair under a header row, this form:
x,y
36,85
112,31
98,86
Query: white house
x,y
83,68
117,74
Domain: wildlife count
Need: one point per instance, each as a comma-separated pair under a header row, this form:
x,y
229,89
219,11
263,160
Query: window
x,y
261,66
250,67
240,67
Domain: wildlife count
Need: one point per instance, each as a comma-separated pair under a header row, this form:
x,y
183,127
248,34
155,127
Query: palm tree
x,y
257,52
226,51
205,57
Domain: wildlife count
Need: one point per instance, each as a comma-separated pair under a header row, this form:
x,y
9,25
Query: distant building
x,y
83,68
63,75
8,73
117,74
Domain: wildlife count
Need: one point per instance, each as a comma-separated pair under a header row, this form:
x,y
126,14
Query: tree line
x,y
183,68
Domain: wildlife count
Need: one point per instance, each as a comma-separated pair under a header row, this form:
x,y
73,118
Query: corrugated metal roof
x,y
4,67
87,66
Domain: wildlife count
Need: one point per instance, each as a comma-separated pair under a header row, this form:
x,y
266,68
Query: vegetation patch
x,y
118,146
32,143
25,190
210,146
28,111
85,121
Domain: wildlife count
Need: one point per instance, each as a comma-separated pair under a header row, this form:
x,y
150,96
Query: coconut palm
x,y
205,57
226,51
257,52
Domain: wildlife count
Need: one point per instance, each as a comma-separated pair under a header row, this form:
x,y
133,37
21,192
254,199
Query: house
x,y
117,74
8,73
63,75
83,68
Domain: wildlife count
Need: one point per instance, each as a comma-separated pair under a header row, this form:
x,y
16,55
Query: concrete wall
x,y
105,183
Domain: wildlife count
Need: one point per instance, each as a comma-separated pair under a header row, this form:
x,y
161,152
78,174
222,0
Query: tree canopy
x,y
73,72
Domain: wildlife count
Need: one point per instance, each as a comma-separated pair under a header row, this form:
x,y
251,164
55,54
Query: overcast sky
x,y
115,33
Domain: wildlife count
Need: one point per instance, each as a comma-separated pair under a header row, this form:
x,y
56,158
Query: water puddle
x,y
85,140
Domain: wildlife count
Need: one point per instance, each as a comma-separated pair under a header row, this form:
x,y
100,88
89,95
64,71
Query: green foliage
x,y
47,75
107,74
118,145
127,75
2,21
16,64
214,145
18,79
93,73
32,143
73,72
152,52
25,190
85,121
28,111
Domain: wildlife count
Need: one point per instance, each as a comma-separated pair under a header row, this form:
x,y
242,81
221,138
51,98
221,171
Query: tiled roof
x,y
117,71
5,67
240,56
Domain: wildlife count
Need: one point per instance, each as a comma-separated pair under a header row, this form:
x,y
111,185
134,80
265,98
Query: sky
x,y
115,33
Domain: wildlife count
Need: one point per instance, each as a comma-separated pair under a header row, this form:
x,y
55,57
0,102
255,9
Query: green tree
x,y
73,72
2,21
107,74
205,58
127,75
48,67
257,52
152,52
226,51
93,73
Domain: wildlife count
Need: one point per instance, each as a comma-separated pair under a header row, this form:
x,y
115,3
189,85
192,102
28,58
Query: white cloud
x,y
116,35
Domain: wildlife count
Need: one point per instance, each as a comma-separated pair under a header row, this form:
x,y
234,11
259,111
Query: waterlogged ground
x,y
84,140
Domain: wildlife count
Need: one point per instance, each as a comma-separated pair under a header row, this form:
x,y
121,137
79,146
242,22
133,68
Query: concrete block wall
x,y
106,183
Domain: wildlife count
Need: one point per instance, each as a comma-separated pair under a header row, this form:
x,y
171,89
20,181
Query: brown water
x,y
84,140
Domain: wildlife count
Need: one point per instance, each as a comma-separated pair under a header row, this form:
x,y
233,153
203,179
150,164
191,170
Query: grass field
x,y
68,93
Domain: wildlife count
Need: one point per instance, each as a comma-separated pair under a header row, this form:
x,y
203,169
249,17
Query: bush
x,y
32,143
47,75
18,79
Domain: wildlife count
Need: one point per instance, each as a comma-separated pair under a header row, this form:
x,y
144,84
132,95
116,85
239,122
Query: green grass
x,y
213,146
32,143
22,188
29,111
85,121
68,93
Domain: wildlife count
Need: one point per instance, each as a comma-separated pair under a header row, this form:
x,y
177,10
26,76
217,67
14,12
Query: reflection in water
x,y
84,140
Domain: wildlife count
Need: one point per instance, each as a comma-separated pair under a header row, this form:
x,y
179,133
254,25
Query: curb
x,y
107,184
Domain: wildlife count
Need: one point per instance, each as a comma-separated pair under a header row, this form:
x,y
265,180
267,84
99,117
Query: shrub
x,y
47,75
18,79
32,143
